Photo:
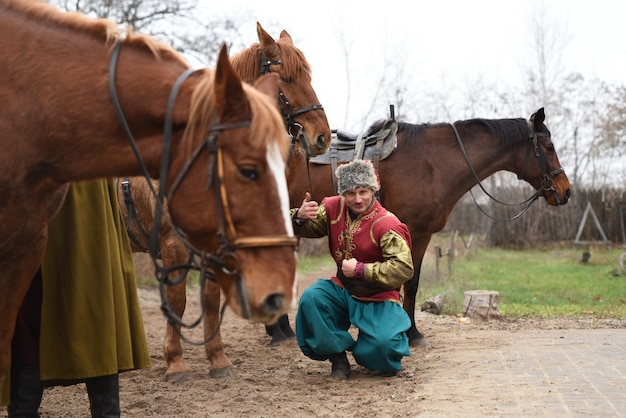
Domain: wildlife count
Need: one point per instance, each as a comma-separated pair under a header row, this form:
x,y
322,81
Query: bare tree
x,y
610,126
180,23
139,15
572,103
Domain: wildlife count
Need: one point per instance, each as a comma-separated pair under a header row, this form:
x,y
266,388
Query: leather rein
x,y
546,173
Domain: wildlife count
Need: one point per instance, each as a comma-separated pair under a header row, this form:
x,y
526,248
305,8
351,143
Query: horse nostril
x,y
321,141
274,303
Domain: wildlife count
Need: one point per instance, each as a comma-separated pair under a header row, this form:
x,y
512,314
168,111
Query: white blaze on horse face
x,y
277,165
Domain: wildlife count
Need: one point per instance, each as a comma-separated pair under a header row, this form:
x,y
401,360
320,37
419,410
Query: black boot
x,y
280,330
26,391
104,396
341,366
283,321
276,333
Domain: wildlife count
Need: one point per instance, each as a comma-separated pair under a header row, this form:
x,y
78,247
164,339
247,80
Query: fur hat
x,y
355,174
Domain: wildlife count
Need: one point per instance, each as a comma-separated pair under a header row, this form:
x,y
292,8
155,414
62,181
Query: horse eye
x,y
549,146
249,172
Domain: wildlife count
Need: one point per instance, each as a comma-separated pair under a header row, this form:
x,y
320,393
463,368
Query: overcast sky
x,y
445,42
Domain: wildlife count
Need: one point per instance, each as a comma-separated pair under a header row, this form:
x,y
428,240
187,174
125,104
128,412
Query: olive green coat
x,y
91,318
91,321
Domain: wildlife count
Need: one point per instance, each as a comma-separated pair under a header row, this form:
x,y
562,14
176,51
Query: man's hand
x,y
308,210
348,267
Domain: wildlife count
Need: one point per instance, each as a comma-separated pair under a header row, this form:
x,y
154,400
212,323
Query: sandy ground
x,y
444,379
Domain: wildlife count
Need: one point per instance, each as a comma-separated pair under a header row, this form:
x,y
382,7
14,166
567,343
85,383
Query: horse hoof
x,y
285,327
222,373
178,377
419,342
279,339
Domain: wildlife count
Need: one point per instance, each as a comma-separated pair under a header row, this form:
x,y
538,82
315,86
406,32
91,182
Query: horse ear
x,y
539,117
268,44
285,37
268,84
229,93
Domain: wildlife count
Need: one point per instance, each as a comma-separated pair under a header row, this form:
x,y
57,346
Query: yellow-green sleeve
x,y
398,265
311,228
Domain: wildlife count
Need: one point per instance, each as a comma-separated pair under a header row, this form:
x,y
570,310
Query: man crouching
x,y
372,249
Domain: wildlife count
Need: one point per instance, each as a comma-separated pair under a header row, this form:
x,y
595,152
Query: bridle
x,y
229,240
289,113
224,258
546,174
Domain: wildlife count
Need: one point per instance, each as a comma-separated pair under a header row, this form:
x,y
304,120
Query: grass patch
x,y
539,283
309,264
531,283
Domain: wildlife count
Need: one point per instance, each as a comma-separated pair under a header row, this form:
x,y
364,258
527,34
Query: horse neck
x,y
487,154
76,121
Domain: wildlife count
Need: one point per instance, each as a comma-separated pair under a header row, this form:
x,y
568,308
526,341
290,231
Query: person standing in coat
x,y
81,320
372,249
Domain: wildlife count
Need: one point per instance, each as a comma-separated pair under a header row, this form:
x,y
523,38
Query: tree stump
x,y
481,304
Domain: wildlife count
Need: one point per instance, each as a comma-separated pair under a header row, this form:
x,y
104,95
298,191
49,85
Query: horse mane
x,y
411,130
248,62
267,124
47,15
507,130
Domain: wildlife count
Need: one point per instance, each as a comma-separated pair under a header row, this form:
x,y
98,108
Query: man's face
x,y
359,200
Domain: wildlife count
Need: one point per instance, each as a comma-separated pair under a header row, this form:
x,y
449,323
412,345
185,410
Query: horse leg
x,y
16,274
285,327
416,338
280,330
221,366
177,368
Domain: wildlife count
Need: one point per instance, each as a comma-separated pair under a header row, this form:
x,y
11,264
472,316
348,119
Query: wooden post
x,y
589,211
437,257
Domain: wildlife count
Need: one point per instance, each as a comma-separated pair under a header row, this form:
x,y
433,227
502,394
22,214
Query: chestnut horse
x,y
434,165
80,101
306,124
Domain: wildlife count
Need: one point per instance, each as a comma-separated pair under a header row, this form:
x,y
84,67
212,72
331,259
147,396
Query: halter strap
x,y
287,110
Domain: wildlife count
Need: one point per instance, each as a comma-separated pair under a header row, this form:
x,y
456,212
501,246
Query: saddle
x,y
375,144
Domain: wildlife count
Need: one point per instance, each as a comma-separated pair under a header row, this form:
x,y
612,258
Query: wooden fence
x,y
543,223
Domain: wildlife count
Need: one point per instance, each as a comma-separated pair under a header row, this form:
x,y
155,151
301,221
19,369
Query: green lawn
x,y
546,282
536,282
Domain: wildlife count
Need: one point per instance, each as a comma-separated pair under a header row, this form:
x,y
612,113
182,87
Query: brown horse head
x,y
236,143
541,167
304,117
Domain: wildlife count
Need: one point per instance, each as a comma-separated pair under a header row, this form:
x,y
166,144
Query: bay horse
x,y
81,101
306,124
434,165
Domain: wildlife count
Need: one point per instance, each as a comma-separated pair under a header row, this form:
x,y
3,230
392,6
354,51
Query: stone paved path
x,y
537,373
